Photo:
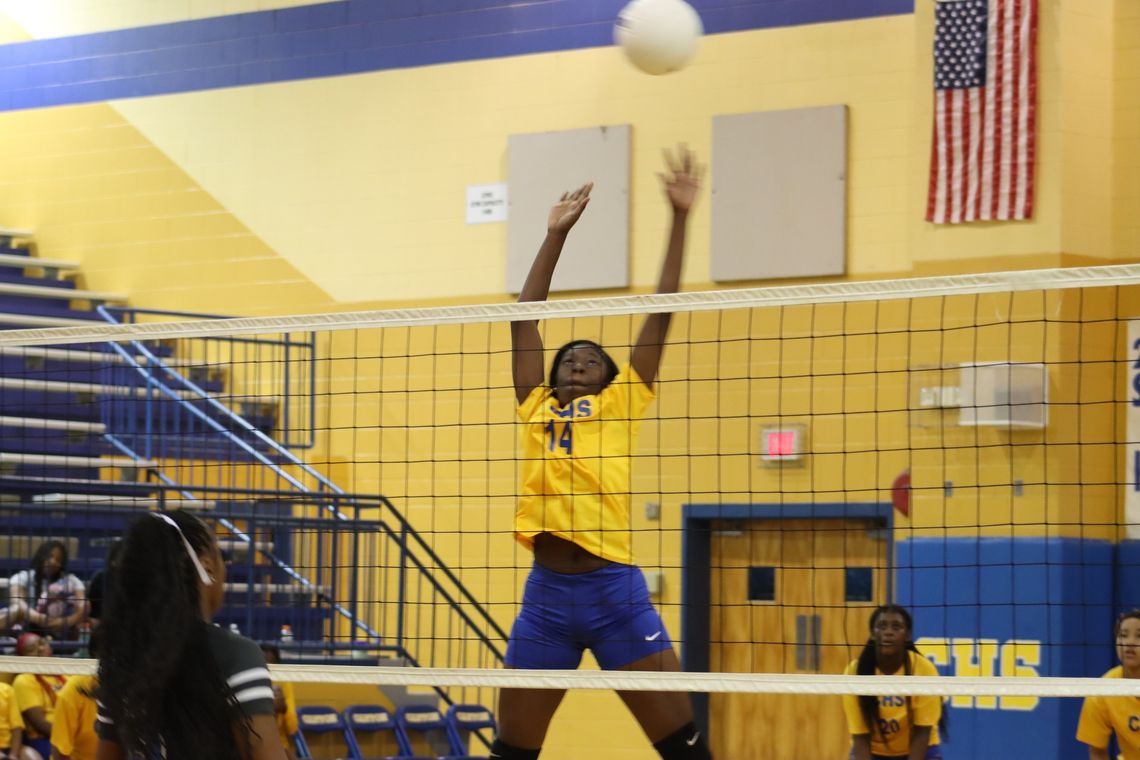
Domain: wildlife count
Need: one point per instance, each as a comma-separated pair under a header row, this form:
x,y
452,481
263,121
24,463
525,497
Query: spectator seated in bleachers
x,y
45,597
37,695
284,705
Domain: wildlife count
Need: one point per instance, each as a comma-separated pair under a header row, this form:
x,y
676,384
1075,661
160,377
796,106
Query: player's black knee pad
x,y
500,749
686,743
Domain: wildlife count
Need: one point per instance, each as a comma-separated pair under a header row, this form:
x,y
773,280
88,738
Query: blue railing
x,y
290,384
271,577
172,402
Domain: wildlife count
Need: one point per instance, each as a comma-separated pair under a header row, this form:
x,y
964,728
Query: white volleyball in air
x,y
658,36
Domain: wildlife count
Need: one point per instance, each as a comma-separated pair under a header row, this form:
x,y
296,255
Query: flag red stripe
x,y
1031,106
932,190
996,77
967,164
953,155
1015,113
990,114
976,212
948,163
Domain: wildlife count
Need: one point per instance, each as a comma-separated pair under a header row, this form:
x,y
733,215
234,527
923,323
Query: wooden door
x,y
802,574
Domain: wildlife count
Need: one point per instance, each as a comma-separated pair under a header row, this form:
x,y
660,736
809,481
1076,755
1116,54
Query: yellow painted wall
x,y
429,423
1126,130
97,192
168,199
435,431
221,200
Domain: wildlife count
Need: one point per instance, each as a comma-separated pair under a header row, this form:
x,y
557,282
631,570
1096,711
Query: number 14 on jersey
x,y
558,434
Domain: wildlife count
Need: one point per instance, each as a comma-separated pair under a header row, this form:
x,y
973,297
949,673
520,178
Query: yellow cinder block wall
x,y
115,187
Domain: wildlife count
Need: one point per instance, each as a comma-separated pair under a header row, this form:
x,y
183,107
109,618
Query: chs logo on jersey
x,y
576,410
560,431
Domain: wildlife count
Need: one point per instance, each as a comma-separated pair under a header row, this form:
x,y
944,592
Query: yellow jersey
x,y
576,466
73,730
287,724
1103,716
10,717
892,736
37,691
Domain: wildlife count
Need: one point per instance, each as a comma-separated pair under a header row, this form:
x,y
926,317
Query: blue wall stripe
x,y
349,37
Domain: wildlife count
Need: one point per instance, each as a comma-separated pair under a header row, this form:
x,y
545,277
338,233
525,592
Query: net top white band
x,y
788,295
754,683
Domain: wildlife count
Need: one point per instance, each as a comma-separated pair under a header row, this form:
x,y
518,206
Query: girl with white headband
x,y
171,684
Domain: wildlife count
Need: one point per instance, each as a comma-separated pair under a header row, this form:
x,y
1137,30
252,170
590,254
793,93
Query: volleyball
x,y
658,36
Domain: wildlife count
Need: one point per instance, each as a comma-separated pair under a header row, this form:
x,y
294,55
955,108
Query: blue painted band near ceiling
x,y
349,37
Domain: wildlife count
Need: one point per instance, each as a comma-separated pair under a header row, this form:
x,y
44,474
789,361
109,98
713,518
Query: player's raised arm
x,y
526,343
681,183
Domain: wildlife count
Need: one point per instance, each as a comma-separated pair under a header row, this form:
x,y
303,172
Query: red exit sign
x,y
783,444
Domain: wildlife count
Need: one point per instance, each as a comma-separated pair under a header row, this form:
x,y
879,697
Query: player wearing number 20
x,y
893,726
579,428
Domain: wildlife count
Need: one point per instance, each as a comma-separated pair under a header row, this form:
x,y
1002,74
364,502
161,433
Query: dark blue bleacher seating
x,y
370,726
91,385
428,723
462,720
320,723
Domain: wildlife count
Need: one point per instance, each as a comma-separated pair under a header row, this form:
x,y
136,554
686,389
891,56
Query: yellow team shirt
x,y
892,738
73,730
576,466
38,691
1102,716
10,717
287,721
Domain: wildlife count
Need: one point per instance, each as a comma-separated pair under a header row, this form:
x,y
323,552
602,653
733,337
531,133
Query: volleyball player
x,y
892,726
579,426
1101,717
171,684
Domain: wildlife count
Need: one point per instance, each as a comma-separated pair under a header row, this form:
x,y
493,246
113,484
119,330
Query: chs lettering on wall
x,y
1131,449
1018,658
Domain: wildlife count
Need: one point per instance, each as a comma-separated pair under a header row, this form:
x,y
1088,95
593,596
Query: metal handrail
x,y
333,494
131,314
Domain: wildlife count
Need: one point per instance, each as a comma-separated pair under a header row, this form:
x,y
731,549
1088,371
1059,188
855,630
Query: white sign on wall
x,y
1132,442
486,203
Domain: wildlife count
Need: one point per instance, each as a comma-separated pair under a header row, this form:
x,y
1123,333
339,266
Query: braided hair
x,y
43,551
868,659
158,679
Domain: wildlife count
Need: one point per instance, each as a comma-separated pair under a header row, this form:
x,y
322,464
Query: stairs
x,y
93,434
69,413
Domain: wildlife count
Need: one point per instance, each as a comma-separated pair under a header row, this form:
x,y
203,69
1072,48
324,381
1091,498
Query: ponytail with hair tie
x,y
160,685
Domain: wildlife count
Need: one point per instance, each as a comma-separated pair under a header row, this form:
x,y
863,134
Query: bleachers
x,y
87,432
373,732
32,293
61,476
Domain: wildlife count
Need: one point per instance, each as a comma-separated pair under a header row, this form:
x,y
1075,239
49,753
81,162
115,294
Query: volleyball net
x,y
966,447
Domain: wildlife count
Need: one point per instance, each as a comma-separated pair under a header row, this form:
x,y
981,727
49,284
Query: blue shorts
x,y
606,611
43,746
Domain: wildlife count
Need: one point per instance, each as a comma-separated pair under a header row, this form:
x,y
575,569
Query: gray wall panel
x,y
540,167
779,194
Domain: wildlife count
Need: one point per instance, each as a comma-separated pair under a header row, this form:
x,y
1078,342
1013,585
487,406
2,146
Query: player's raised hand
x,y
565,213
682,182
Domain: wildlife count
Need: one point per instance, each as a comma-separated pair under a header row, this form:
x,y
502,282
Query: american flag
x,y
985,102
